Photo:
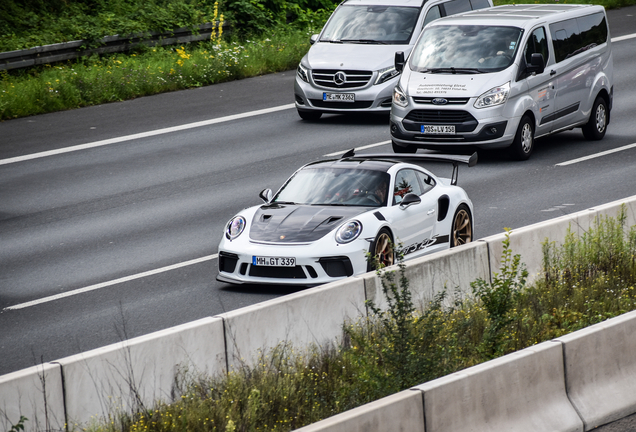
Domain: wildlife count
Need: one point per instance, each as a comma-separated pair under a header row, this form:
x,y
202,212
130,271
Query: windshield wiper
x,y
364,41
284,202
454,70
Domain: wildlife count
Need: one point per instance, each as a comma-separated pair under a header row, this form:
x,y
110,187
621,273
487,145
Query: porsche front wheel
x,y
382,252
462,228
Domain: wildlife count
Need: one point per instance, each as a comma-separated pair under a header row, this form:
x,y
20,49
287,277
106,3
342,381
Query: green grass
x,y
587,280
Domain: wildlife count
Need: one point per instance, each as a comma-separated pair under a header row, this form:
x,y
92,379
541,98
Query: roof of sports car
x,y
353,163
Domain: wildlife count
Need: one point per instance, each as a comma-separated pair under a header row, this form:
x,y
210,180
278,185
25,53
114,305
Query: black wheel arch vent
x,y
443,204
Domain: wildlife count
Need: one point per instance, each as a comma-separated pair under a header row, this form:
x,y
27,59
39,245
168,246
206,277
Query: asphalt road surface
x,y
117,238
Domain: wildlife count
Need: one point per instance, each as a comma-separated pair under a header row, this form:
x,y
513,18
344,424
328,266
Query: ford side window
x,y
537,43
576,35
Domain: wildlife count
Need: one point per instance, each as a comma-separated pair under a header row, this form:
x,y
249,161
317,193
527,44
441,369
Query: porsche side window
x,y
426,181
405,182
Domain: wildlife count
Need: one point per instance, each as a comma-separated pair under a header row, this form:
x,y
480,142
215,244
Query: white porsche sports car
x,y
322,222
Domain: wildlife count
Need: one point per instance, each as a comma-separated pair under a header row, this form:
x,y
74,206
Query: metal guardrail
x,y
71,50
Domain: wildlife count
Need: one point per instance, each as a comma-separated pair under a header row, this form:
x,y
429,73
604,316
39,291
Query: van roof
x,y
411,3
519,14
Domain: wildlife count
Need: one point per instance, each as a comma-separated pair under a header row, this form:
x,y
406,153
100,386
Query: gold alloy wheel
x,y
384,250
462,228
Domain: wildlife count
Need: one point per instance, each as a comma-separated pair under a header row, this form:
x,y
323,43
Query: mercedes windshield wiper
x,y
454,70
364,41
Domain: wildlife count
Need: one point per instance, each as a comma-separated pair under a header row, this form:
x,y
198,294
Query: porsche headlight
x,y
302,73
386,74
349,232
399,97
494,96
235,227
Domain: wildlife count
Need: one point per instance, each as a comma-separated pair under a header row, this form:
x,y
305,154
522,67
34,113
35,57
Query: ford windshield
x,y
465,49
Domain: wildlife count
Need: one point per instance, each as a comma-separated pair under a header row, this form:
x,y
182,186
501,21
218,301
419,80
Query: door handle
x,y
552,72
430,212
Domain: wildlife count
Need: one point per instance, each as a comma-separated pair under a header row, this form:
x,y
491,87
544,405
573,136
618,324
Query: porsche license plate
x,y
273,261
438,129
339,97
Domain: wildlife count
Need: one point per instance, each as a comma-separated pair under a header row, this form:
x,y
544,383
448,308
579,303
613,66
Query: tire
x,y
309,115
523,144
382,247
596,126
462,227
400,149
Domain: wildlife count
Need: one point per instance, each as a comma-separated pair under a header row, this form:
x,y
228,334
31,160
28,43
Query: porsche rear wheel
x,y
382,252
462,228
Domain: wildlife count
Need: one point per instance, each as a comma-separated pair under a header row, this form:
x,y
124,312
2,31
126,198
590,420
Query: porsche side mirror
x,y
313,39
399,61
409,199
266,195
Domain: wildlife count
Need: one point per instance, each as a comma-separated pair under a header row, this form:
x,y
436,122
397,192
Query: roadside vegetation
x,y
267,36
586,280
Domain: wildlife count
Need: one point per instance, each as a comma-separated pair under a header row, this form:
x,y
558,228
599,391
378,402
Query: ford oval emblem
x,y
340,78
440,101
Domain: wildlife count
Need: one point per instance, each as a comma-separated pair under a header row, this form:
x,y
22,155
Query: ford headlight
x,y
302,73
235,227
386,74
399,97
494,96
349,232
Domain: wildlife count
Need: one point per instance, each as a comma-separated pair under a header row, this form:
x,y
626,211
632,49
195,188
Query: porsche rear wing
x,y
418,158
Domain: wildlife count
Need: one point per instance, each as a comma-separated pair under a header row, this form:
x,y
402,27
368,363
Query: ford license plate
x,y
339,97
438,129
273,261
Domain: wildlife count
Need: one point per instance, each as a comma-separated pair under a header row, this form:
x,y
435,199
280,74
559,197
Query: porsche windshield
x,y
371,24
465,49
336,186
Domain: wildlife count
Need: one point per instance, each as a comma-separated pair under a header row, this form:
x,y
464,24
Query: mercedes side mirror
x,y
313,39
399,61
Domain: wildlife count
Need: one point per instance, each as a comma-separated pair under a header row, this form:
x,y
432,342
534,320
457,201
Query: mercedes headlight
x,y
302,73
399,97
349,232
494,96
235,227
386,74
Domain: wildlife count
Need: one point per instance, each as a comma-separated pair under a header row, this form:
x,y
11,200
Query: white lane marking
x,y
144,134
358,148
622,38
112,282
581,159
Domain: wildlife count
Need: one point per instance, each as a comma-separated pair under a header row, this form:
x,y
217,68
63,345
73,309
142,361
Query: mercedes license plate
x,y
339,97
273,261
438,129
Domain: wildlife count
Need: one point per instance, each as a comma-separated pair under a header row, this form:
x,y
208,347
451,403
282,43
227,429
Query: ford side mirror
x,y
313,39
266,195
537,64
399,61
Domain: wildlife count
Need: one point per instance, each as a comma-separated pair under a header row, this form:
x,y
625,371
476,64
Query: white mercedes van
x,y
501,77
349,66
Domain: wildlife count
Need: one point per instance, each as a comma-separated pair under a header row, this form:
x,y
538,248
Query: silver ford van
x,y
349,66
501,77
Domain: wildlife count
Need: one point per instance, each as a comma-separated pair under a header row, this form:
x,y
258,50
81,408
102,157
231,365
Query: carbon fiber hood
x,y
283,223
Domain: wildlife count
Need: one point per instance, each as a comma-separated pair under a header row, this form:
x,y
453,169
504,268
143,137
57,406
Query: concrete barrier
x,y
600,365
526,241
138,372
452,269
401,412
312,316
520,392
35,393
